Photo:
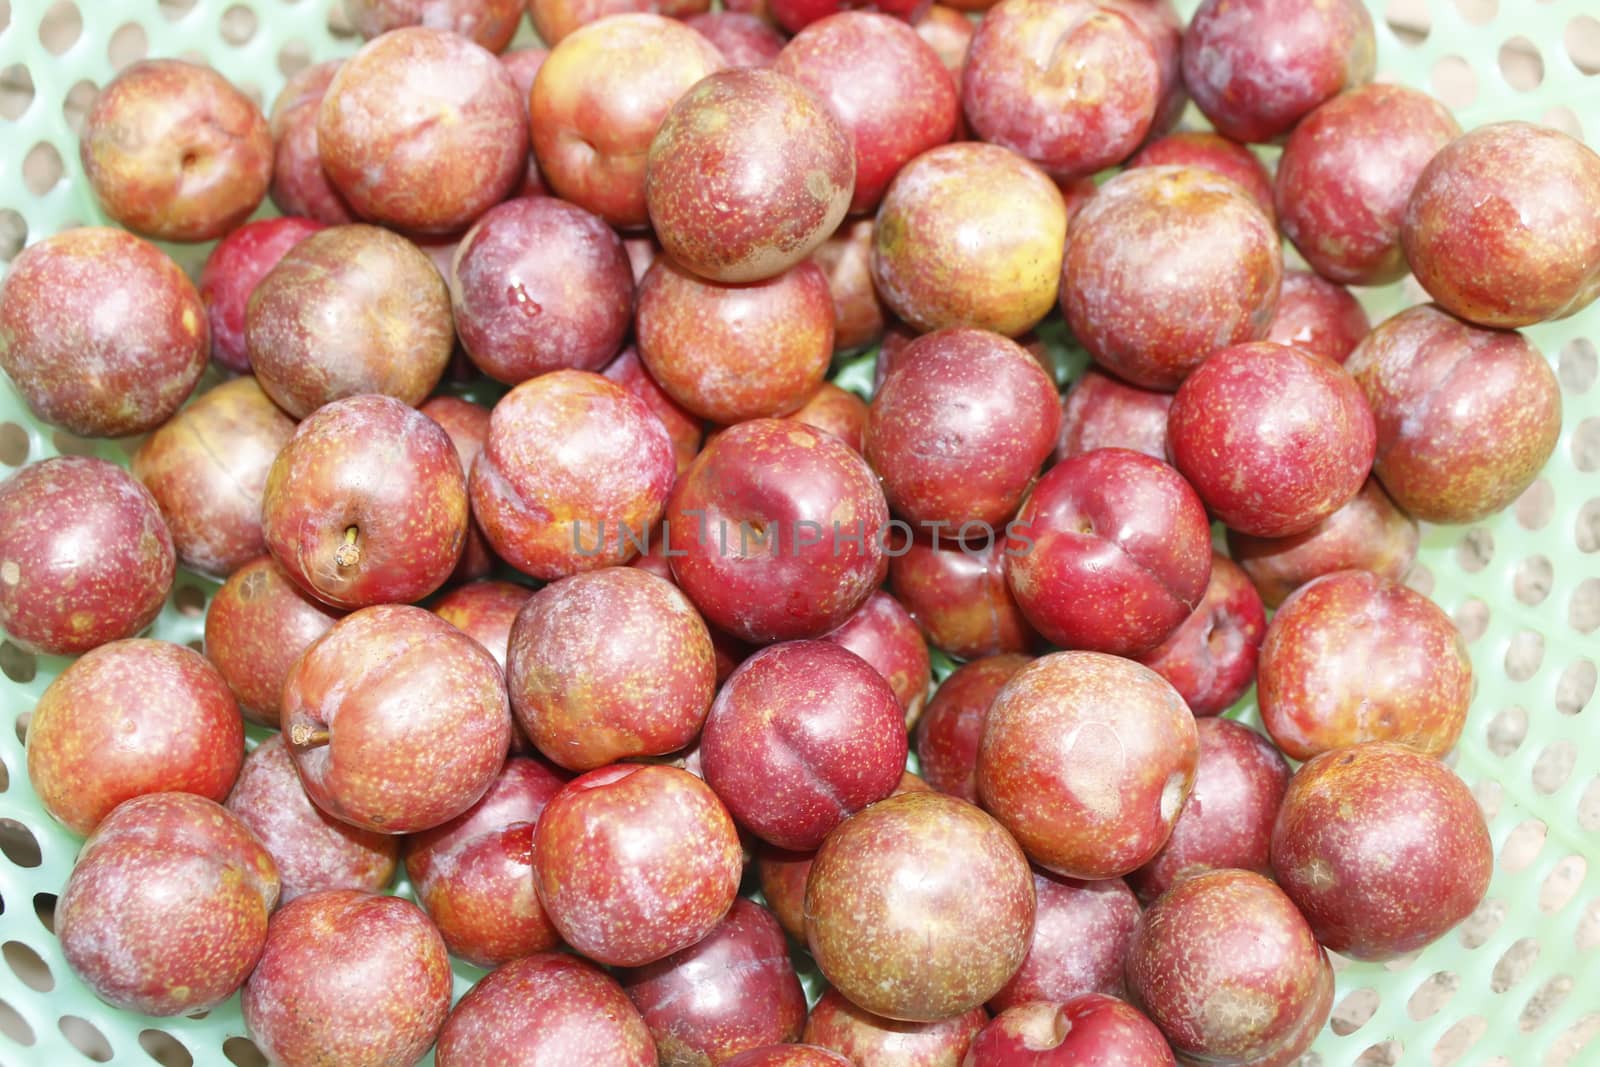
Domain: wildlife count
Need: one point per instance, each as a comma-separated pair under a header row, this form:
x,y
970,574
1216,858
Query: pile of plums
x,y
654,627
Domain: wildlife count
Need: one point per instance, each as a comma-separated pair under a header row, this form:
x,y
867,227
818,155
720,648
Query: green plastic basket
x,y
1518,984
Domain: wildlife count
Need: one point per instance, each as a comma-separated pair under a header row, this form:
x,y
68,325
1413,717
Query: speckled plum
x,y
783,875
299,184
869,1040
574,473
1347,173
1503,227
884,634
207,470
174,152
749,172
232,272
802,735
1353,657
1228,819
1210,659
557,19
890,877
1466,416
685,429
888,88
788,1056
523,65
348,977
1212,151
372,290
969,234
1256,67
166,909
396,720
1081,933
1027,83
729,353
485,611
101,333
467,425
474,874
846,260
340,521
635,862
312,850
1100,411
960,428
1089,1030
952,728
539,284
85,556
1140,319
744,40
129,718
546,1008
1115,528
609,665
948,32
1087,759
958,596
1382,849
490,23
257,625
1319,316
780,527
598,101
1369,533
423,130
735,989
838,411
1230,972
1273,438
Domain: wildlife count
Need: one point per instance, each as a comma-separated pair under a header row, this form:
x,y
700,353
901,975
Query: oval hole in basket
x,y
1478,927
18,843
1582,38
1514,964
1478,12
1583,610
1562,883
61,27
128,45
76,104
1353,1012
1589,807
1524,655
1383,1054
21,727
1409,20
176,9
44,909
1533,578
18,664
13,234
1586,445
239,25
1507,730
1565,1051
85,1037
165,1049
1544,1002
72,445
242,1051
1523,846
27,965
1521,64
1472,615
1554,766
1578,366
1432,995
190,600
1454,82
16,91
14,444
14,1026
339,24
1419,579
1459,1039
1586,530
42,169
1475,550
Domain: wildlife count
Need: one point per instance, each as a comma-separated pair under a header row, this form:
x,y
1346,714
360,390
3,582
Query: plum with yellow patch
x,y
1355,657
165,912
1213,152
869,1040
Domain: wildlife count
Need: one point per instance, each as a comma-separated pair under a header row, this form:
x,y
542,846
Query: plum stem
x,y
303,735
349,553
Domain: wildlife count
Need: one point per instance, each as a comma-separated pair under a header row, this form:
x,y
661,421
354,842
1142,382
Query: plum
x,y
312,850
300,187
1382,849
969,234
787,1055
1089,1030
838,411
1503,226
85,556
884,634
634,863
1230,972
485,611
1227,822
869,1040
1116,528
846,260
1100,411
1466,416
349,310
951,730
744,40
232,272
889,877
165,912
1081,933
1318,316
537,285
685,429
348,977
1256,67
1354,657
396,720
174,152
366,504
749,172
558,19
1210,659
1273,438
490,23
1213,152
467,425
101,333
1087,759
129,718
958,596
1145,322
423,130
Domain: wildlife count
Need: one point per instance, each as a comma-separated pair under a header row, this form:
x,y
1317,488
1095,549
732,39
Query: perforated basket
x,y
1518,984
